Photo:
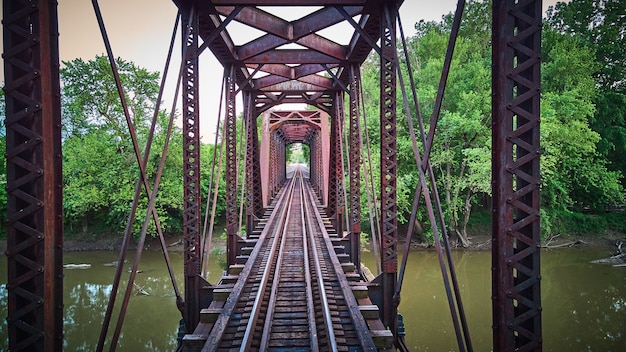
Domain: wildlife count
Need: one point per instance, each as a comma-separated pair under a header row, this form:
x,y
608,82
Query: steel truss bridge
x,y
301,248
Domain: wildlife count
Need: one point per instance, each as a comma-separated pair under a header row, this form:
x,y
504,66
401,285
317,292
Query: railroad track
x,y
292,294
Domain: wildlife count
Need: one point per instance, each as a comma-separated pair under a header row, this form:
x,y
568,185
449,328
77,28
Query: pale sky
x,y
140,31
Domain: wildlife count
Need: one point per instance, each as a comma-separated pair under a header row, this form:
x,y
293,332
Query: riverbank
x,y
478,242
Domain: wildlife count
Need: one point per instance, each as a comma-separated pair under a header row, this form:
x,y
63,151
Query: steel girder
x,y
230,137
355,168
296,74
315,162
191,170
254,199
277,162
388,165
335,176
516,178
34,176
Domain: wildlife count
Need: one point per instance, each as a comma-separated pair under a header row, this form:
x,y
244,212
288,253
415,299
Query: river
x,y
584,305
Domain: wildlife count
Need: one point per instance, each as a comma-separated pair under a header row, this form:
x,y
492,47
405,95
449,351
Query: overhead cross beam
x,y
292,56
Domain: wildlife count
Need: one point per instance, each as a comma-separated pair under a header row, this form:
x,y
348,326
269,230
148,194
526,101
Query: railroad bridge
x,y
294,279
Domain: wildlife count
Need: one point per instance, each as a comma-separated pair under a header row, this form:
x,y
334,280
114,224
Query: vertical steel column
x,y
230,130
310,141
515,161
388,166
272,173
334,209
319,168
34,176
283,160
254,200
191,171
315,156
355,169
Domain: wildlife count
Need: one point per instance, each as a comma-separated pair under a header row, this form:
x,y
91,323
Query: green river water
x,y
584,305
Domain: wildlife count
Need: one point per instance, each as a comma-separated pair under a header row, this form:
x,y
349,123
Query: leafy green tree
x,y
460,154
574,174
100,168
91,99
601,24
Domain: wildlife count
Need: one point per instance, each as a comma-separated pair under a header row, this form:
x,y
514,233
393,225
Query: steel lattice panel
x,y
388,164
191,171
230,135
355,167
34,176
516,233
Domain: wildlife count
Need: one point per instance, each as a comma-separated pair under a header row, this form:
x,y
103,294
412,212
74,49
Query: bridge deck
x,y
294,287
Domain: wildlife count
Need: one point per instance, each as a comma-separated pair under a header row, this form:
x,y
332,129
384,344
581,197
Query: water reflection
x,y
151,322
584,305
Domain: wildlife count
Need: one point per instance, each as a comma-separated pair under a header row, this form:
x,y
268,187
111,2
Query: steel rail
x,y
306,234
256,308
229,307
328,322
267,328
361,327
276,264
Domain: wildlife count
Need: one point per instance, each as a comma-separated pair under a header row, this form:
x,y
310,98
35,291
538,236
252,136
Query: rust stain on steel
x,y
34,176
515,167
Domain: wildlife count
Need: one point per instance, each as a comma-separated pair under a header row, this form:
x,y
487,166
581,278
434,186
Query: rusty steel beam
x,y
516,176
334,170
388,166
254,200
269,42
307,83
230,135
288,2
290,56
34,176
355,168
191,170
324,18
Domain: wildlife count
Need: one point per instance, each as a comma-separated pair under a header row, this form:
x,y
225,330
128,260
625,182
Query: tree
x,y
460,151
574,174
601,25
91,99
100,168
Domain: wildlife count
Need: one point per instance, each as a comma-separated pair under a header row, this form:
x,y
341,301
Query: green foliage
x,y
297,153
582,124
219,252
91,99
599,25
100,168
574,175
